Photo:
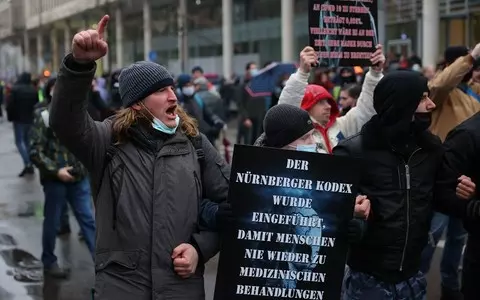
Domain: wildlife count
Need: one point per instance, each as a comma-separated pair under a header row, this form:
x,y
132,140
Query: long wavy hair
x,y
126,117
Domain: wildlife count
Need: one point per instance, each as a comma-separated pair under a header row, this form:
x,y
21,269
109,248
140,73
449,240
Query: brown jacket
x,y
453,105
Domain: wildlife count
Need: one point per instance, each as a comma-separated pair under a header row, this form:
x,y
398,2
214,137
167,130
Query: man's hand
x,y
465,188
362,207
89,45
476,51
185,260
378,58
308,58
64,175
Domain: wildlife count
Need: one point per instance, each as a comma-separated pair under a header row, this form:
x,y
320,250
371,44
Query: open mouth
x,y
171,112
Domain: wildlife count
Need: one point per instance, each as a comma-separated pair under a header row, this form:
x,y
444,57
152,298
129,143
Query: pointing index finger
x,y
102,25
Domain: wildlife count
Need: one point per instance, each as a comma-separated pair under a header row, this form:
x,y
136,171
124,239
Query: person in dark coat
x,y
251,110
403,158
459,176
20,108
64,180
115,99
209,123
150,169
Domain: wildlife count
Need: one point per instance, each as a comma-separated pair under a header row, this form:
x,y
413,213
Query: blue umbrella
x,y
264,83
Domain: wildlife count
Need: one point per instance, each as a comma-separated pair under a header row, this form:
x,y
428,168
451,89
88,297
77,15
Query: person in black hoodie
x,y
20,108
403,158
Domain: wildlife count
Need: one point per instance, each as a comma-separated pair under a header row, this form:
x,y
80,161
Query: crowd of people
x,y
145,150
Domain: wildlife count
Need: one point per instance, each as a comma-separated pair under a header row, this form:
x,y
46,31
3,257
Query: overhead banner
x,y
290,238
343,32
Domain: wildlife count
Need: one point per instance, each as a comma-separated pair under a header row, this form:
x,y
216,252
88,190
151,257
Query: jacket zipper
x,y
408,186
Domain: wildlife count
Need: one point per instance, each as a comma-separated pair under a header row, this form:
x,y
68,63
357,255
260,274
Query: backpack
x,y
113,149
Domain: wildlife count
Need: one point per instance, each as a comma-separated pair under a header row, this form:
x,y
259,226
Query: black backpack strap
x,y
111,152
197,143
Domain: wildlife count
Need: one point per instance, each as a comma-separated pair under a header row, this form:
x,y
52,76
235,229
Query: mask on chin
x,y
307,148
160,126
157,124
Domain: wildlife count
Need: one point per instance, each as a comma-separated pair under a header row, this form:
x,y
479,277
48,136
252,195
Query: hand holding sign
x,y
89,45
308,58
378,58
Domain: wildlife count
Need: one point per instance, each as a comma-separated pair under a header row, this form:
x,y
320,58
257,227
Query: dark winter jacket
x,y
462,158
148,200
209,123
401,160
22,101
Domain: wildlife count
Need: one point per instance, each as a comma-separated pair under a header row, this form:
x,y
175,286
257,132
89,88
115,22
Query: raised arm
x,y
352,122
85,138
295,86
448,79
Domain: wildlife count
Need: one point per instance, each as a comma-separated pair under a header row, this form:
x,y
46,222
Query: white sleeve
x,y
294,89
352,122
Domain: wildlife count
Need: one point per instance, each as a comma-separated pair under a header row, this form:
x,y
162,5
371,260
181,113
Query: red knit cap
x,y
313,94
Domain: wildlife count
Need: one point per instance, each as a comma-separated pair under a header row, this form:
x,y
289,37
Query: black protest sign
x,y
343,32
290,238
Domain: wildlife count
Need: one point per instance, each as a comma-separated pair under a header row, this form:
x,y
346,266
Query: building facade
x,y
220,35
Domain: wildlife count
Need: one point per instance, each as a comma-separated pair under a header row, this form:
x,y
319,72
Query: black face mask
x,y
421,121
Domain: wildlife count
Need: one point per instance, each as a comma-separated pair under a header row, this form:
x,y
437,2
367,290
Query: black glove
x,y
224,215
356,230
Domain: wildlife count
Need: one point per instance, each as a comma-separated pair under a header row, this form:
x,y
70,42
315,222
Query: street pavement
x,y
21,276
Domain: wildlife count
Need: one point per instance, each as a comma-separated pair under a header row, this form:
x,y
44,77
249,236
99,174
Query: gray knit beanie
x,y
285,123
141,79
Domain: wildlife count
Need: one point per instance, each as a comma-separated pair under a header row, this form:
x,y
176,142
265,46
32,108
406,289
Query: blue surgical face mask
x,y
253,72
307,148
157,124
160,126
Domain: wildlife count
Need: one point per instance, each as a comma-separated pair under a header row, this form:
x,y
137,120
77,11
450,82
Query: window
x,y
301,7
204,14
265,9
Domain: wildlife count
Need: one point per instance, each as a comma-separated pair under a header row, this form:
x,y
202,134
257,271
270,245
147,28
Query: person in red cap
x,y
322,108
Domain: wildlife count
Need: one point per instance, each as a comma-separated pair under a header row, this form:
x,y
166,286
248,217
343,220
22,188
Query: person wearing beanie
x,y
193,103
319,103
457,98
150,170
64,180
288,127
401,153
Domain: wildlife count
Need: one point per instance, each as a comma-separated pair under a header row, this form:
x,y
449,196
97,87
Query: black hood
x,y
25,78
395,100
